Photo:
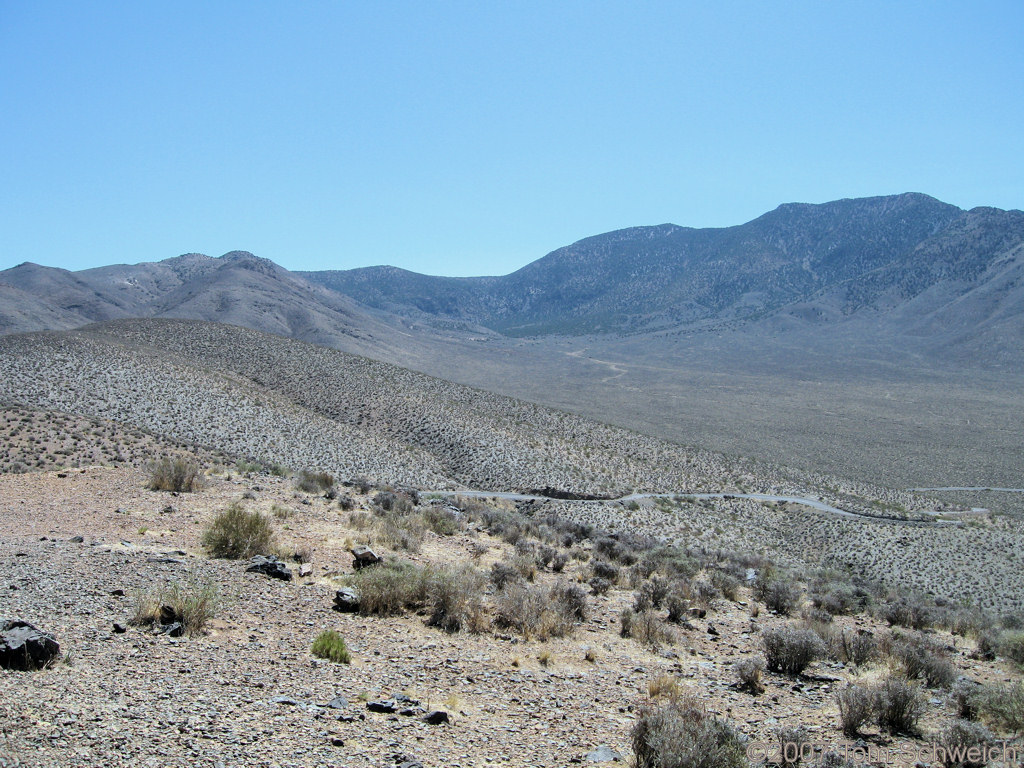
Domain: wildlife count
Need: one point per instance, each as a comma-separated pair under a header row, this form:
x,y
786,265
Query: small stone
x,y
77,539
338,702
337,741
603,754
117,592
119,629
436,717
269,566
305,569
284,701
346,600
387,706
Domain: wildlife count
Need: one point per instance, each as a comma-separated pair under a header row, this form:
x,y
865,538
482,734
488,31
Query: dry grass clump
x,y
750,673
540,613
679,734
191,604
331,646
237,534
645,627
179,475
456,599
791,650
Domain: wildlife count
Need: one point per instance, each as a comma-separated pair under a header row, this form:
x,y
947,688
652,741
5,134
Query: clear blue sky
x,y
472,138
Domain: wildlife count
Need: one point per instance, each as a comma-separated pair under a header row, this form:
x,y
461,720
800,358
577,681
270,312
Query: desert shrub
x,y
727,584
668,688
857,648
645,627
678,734
604,570
571,600
856,709
456,599
782,596
988,643
331,646
705,592
346,503
599,586
678,604
314,482
443,522
836,599
817,616
559,561
750,673
611,548
898,705
922,659
794,745
545,555
1003,706
191,603
910,612
525,565
179,475
400,532
237,534
790,650
1011,645
961,743
391,588
533,612
965,699
503,574
393,501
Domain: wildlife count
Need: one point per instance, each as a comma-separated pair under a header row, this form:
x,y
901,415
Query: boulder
x,y
269,566
364,556
23,647
435,717
346,600
386,707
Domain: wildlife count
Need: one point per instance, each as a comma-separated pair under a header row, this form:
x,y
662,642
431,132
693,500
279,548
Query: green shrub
x,y
331,646
179,475
790,650
443,522
237,534
677,734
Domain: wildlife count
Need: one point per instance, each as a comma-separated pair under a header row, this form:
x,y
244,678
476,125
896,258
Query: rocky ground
x,y
249,692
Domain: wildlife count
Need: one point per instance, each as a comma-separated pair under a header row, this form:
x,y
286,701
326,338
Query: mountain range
x,y
908,264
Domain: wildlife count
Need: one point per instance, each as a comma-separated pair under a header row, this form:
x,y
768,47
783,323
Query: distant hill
x,y
826,261
906,268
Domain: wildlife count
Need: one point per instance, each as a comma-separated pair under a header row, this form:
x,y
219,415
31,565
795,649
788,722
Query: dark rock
x,y
435,717
346,600
699,613
284,701
386,707
364,556
337,741
119,629
175,629
168,615
23,647
712,630
269,566
77,539
117,592
603,754
411,711
338,702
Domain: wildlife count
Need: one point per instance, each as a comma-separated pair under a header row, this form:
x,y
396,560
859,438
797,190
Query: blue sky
x,y
472,138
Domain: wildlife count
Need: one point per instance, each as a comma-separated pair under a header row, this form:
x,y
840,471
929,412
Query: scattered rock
x,y
364,556
436,717
385,707
174,629
286,701
338,702
23,647
337,741
603,754
119,629
269,566
346,600
77,539
305,569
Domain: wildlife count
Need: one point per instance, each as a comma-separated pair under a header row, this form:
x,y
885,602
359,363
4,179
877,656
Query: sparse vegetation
x,y
237,533
791,650
677,734
190,603
331,646
178,474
